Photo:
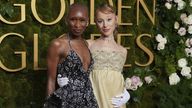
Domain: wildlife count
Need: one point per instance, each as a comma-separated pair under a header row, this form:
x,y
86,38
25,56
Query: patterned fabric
x,y
107,79
78,93
108,60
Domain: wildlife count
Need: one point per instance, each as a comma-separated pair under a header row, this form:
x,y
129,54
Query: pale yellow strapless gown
x,y
106,77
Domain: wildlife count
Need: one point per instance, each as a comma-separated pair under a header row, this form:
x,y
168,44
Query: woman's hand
x,y
121,99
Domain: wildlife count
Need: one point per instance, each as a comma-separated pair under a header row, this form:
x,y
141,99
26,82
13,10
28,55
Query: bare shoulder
x,y
90,42
58,43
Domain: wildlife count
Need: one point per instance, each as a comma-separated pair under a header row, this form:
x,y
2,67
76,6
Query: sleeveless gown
x,y
78,93
106,78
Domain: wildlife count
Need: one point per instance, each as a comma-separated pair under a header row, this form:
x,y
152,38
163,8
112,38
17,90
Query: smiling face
x,y
77,20
106,23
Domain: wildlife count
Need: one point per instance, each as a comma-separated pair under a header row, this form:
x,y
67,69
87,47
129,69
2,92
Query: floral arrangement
x,y
184,30
173,50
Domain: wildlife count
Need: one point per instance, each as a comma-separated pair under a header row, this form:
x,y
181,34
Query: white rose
x,y
188,42
176,1
185,71
160,39
188,52
133,83
190,3
164,40
169,0
174,79
182,31
148,79
160,46
189,29
176,25
182,62
181,4
128,83
185,20
188,76
140,83
168,5
189,19
182,16
133,87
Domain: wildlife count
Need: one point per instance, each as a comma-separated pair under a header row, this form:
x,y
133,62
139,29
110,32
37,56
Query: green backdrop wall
x,y
26,88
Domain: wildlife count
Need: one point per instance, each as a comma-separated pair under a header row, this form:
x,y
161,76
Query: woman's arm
x,y
52,61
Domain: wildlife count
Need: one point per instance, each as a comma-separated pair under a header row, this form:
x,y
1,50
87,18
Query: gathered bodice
x,y
108,60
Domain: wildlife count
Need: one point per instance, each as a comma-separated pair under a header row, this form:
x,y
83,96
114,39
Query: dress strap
x,y
69,42
86,44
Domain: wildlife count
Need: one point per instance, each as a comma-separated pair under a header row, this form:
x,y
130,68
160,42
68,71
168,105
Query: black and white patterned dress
x,y
78,93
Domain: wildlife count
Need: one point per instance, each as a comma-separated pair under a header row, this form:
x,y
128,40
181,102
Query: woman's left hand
x,y
121,99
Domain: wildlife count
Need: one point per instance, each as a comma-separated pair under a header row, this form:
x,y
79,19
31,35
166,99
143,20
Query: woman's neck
x,y
107,38
73,37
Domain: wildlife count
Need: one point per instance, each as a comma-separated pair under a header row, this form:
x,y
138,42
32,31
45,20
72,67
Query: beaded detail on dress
x,y
108,60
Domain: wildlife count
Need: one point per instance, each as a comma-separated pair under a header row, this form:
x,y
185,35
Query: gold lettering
x,y
35,65
152,18
22,53
119,38
72,1
92,6
120,13
62,12
145,49
23,15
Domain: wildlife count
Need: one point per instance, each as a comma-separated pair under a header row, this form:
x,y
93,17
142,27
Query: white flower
x,y
168,5
163,40
160,46
169,0
185,71
189,19
160,39
148,79
182,31
133,83
176,25
190,3
188,42
189,29
183,16
181,4
176,1
188,76
174,79
128,83
188,52
182,62
136,81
